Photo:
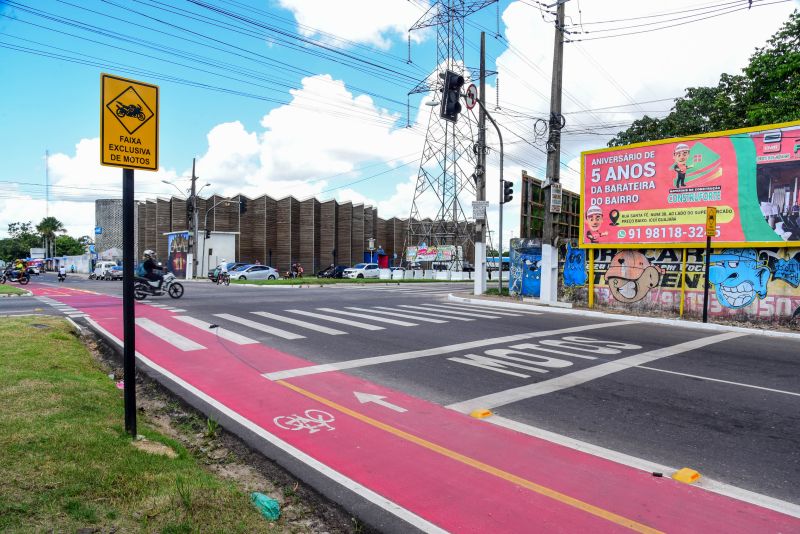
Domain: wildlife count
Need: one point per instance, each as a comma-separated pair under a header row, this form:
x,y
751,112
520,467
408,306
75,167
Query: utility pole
x,y
480,180
549,284
193,244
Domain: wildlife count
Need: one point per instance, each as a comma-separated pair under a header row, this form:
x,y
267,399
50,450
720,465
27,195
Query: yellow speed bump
x,y
686,475
481,413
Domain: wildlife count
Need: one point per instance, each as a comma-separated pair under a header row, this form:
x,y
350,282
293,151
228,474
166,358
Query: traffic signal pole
x,y
480,180
549,286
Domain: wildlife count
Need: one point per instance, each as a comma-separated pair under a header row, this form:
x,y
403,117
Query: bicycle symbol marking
x,y
311,420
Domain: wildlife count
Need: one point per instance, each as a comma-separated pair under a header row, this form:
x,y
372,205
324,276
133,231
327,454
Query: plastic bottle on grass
x,y
268,506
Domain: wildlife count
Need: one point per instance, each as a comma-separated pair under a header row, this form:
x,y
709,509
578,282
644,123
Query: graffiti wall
x,y
525,259
745,284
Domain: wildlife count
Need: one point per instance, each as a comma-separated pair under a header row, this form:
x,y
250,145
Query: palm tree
x,y
48,229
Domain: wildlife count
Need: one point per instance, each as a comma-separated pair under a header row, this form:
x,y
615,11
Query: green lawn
x,y
308,280
67,463
10,290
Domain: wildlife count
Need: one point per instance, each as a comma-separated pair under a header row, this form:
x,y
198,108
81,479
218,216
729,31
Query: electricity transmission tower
x,y
445,178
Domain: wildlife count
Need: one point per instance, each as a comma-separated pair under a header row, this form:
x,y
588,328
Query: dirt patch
x,y
154,447
226,456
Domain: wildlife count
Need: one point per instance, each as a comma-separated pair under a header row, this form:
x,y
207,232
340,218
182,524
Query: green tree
x,y
48,229
22,239
767,91
69,246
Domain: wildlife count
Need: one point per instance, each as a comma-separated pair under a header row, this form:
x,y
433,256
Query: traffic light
x,y
242,206
451,95
508,191
208,233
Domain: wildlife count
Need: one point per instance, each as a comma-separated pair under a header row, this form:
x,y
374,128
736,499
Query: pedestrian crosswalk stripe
x,y
337,320
178,310
426,314
407,315
173,338
259,326
482,315
493,311
221,332
302,324
368,317
490,308
434,308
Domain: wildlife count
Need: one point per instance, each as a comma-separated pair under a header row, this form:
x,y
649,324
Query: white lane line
x,y
491,309
259,326
414,313
337,320
394,314
436,351
720,381
453,312
368,317
173,338
178,310
221,332
426,314
646,465
448,306
337,477
509,396
302,324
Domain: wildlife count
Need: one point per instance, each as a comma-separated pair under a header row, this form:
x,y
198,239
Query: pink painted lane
x,y
461,474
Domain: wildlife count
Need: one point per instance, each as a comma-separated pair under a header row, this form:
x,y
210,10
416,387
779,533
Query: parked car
x,y
232,266
254,272
362,270
115,273
332,272
393,269
101,269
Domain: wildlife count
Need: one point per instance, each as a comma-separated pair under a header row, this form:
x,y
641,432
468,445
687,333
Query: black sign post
x,y
128,324
711,229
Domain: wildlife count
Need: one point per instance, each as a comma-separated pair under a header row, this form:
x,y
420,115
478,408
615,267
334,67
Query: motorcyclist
x,y
150,266
19,269
221,268
62,272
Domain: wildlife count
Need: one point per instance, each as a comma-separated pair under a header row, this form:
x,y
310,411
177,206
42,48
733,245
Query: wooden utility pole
x,y
554,138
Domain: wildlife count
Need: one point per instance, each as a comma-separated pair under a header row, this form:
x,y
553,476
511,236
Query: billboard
x,y
432,253
178,246
650,194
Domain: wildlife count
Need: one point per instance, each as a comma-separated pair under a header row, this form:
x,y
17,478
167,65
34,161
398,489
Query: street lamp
x,y
175,186
205,226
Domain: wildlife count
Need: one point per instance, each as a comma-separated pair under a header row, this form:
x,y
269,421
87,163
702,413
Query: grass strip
x,y
67,462
309,281
10,290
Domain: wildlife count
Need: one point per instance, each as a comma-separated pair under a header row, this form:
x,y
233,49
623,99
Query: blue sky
x,y
327,85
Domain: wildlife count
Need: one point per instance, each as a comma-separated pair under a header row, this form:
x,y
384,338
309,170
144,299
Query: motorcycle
x,y
142,287
21,278
62,277
133,110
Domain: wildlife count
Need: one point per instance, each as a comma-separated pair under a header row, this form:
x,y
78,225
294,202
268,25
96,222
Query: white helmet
x,y
149,253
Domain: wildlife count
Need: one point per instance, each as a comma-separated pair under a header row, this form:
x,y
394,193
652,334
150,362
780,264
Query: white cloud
x,y
361,21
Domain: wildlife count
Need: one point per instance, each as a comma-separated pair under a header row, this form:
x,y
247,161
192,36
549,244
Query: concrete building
x,y
281,232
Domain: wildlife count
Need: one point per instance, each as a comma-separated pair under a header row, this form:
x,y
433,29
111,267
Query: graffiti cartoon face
x,y
575,267
631,276
738,277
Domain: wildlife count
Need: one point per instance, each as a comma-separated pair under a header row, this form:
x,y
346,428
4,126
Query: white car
x,y
255,272
362,270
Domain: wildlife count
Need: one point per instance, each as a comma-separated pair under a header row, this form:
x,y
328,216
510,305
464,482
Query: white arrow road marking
x,y
364,398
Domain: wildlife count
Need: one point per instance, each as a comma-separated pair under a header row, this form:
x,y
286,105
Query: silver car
x,y
255,272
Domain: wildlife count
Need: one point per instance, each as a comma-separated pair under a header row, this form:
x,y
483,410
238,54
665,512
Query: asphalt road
x,y
727,405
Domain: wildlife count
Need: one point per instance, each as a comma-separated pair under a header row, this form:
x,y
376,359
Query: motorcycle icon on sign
x,y
133,110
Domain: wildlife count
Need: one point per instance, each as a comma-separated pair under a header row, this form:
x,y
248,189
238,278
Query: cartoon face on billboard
x,y
631,276
738,276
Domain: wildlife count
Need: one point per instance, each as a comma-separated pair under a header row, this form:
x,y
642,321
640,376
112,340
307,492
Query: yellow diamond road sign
x,y
128,123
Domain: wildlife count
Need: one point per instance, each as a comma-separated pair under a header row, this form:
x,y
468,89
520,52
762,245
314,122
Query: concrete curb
x,y
602,315
7,295
312,285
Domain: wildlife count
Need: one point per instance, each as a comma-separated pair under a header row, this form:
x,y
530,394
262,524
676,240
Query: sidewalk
x,y
501,302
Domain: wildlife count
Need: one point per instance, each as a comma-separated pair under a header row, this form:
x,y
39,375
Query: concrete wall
x,y
746,285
